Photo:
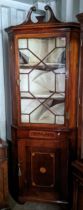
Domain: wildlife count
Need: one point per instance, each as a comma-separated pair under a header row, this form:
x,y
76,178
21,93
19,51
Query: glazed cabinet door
x,y
42,80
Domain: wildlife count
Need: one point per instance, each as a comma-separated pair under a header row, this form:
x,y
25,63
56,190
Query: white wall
x,y
76,9
69,9
81,6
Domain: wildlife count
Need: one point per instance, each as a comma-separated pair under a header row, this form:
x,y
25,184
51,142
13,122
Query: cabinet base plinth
x,y
42,196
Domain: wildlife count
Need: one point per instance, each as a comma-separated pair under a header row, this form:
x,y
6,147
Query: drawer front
x,y
47,134
41,134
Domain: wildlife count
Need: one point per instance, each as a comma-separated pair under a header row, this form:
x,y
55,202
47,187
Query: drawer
x,y
47,134
42,134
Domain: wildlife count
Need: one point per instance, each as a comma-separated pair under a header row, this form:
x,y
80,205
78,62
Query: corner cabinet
x,y
43,60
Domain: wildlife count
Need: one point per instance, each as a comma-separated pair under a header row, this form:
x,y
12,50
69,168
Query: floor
x,y
33,206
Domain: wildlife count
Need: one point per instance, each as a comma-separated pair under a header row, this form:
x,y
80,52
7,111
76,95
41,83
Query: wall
x,y
69,9
76,9
81,5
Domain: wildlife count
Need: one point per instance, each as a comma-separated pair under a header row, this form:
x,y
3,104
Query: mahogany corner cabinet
x,y
43,63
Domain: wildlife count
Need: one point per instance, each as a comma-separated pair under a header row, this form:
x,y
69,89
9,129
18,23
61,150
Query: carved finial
x,y
42,14
52,16
80,17
28,18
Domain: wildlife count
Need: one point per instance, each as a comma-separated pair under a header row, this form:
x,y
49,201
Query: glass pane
x,y
56,57
42,115
57,109
34,50
47,111
60,120
22,43
61,42
41,47
60,82
28,105
26,57
42,83
25,118
42,79
23,82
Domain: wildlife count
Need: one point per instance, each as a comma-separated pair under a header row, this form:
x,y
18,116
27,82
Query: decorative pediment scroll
x,y
43,15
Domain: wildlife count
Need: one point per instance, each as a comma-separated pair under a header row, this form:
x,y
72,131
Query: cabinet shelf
x,y
45,67
58,99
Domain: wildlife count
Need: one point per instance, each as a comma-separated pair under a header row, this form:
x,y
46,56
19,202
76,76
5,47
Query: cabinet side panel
x,y
73,78
80,102
13,80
